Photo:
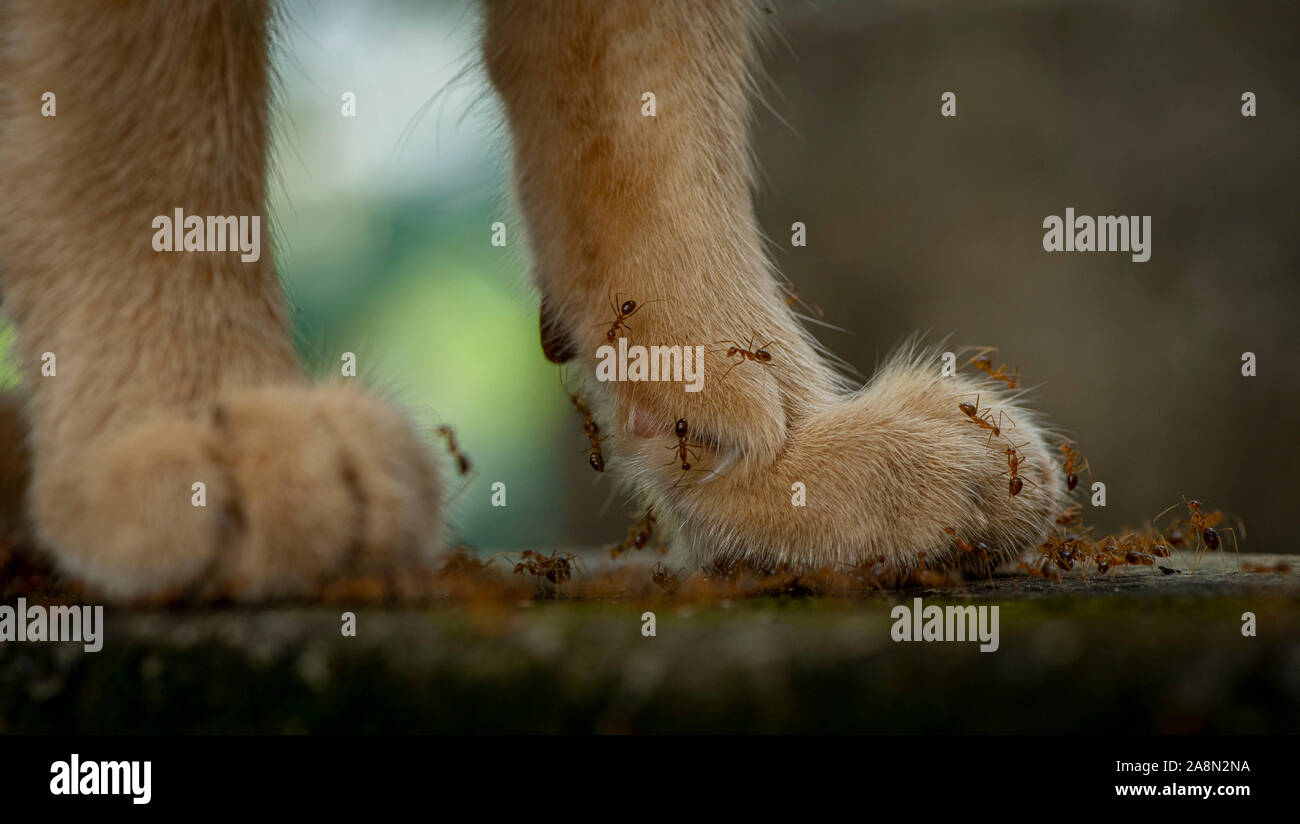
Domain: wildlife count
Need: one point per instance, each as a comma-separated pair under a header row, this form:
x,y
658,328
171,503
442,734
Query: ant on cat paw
x,y
685,453
760,355
1015,481
592,430
623,311
983,418
589,428
982,362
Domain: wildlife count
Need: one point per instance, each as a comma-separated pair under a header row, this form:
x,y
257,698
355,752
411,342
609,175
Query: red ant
x,y
462,462
1015,460
664,577
622,312
1065,551
638,534
759,355
982,363
1203,523
555,567
1043,570
1135,557
592,431
979,549
1074,464
1159,548
984,418
683,449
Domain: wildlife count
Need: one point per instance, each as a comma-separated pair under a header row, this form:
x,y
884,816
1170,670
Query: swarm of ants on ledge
x,y
1072,544
1199,532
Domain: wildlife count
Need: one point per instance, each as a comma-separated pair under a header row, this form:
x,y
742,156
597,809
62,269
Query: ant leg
x,y
1002,415
977,398
728,372
686,474
1235,549
989,442
1162,512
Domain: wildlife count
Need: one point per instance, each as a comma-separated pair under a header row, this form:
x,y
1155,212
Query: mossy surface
x,y
1150,653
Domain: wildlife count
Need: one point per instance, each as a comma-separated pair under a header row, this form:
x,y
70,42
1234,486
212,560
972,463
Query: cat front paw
x,y
268,494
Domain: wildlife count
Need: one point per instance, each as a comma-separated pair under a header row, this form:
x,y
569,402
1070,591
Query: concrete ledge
x,y
1136,652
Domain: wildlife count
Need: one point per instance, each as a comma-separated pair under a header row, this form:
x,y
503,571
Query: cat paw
x,y
896,472
267,494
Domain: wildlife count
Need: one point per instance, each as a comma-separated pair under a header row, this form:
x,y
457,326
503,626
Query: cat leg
x,y
176,446
627,201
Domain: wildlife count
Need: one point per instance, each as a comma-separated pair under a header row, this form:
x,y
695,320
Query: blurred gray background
x,y
915,222
922,222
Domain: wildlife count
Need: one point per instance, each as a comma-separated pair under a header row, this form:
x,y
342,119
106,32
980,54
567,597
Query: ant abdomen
x,y
683,448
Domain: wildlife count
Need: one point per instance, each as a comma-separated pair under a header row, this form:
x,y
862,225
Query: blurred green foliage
x,y
384,226
8,371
